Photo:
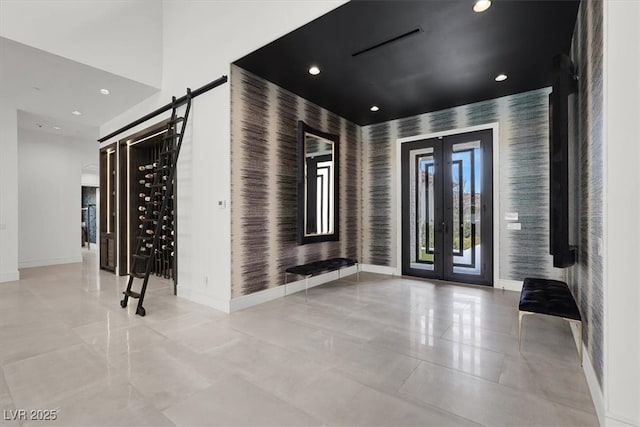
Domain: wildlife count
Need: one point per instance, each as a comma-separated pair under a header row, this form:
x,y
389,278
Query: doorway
x,y
447,207
89,216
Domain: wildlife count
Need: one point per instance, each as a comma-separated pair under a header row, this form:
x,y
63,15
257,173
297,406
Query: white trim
x,y
605,217
605,418
9,276
508,285
379,269
611,421
590,374
494,126
203,298
49,261
256,298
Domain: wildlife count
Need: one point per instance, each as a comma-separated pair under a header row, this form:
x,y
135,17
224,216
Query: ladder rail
x,y
165,200
167,161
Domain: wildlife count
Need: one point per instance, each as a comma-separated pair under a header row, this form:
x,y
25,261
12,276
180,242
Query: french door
x,y
447,208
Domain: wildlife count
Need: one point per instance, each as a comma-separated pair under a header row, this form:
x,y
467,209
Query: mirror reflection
x,y
317,185
319,173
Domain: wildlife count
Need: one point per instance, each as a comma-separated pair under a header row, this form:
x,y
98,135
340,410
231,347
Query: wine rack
x,y
145,199
149,194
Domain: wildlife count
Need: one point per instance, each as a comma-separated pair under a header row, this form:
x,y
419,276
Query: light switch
x,y
514,226
222,204
511,216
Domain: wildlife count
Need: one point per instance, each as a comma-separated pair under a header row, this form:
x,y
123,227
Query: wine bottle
x,y
141,168
149,232
149,176
147,198
142,181
141,195
142,208
149,245
149,167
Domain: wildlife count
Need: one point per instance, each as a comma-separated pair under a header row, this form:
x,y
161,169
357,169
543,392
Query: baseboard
x,y
256,298
49,261
380,269
508,285
260,297
9,276
613,421
592,380
203,299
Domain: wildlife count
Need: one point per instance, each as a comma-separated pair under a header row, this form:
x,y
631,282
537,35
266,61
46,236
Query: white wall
x,y
49,201
122,37
90,179
8,193
200,40
622,234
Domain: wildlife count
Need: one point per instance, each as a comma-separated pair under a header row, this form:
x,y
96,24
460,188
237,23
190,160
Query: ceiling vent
x,y
395,39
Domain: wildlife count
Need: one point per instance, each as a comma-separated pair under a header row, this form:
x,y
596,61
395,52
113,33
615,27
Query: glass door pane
x,y
467,197
468,217
422,220
423,245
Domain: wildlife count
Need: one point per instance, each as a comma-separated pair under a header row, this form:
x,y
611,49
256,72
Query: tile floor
x,y
382,351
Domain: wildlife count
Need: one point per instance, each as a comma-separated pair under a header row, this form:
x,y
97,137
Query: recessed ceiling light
x,y
374,108
76,113
314,71
57,128
481,5
501,77
105,91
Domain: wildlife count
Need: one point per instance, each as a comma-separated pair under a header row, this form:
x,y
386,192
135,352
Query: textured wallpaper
x,y
523,179
586,278
263,183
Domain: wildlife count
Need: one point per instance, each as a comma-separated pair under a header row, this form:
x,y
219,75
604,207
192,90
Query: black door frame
x,y
443,219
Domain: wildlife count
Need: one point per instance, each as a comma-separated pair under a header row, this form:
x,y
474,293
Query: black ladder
x,y
156,216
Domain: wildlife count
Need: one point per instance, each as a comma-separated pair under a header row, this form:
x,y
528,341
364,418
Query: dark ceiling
x,y
444,55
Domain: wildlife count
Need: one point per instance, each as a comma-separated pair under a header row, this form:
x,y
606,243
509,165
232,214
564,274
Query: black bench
x,y
317,267
549,297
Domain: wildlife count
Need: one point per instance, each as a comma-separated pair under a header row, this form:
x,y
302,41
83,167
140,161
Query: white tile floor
x,y
382,351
